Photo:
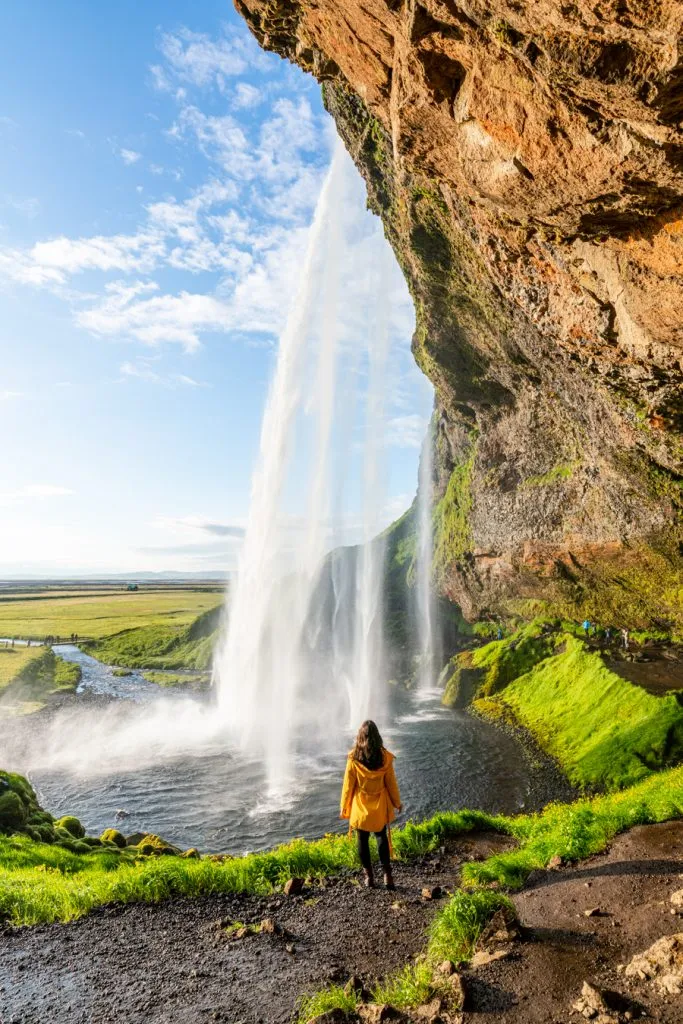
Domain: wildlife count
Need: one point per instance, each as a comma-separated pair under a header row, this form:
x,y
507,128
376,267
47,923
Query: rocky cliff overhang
x,y
527,161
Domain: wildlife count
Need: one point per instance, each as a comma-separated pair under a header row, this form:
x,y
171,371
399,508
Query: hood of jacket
x,y
368,774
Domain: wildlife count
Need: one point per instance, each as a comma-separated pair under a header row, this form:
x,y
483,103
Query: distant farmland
x,y
93,614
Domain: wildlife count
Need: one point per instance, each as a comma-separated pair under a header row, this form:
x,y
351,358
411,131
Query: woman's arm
x,y
392,787
348,789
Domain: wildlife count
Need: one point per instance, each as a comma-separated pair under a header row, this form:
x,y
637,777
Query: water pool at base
x,y
216,800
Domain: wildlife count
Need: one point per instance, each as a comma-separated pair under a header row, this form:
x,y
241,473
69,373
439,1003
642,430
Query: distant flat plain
x,y
97,612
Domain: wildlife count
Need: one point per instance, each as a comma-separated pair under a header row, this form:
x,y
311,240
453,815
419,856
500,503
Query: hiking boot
x,y
389,879
368,880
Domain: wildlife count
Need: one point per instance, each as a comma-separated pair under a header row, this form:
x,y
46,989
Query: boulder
x,y
457,985
112,835
154,846
483,957
293,886
191,854
502,928
134,838
676,899
430,1012
355,986
13,813
601,1006
377,1013
661,963
432,892
71,825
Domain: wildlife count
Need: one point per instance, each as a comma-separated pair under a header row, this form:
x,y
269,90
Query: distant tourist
x,y
369,798
499,634
586,626
624,638
608,634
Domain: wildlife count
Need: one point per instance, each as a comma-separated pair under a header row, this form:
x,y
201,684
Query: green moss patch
x,y
486,670
605,732
451,515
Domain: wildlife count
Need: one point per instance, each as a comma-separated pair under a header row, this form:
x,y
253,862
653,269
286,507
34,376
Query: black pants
x,y
363,839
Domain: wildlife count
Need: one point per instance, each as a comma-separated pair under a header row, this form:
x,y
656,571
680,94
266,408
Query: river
x,y
214,798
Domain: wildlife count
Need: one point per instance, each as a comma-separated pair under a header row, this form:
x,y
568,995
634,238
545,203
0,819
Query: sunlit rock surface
x,y
527,161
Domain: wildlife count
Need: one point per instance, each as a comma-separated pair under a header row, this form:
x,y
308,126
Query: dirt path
x,y
561,947
170,963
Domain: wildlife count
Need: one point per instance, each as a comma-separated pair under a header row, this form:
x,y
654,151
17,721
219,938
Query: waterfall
x,y
428,639
294,663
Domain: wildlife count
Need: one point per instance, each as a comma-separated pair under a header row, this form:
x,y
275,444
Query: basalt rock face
x,y
527,162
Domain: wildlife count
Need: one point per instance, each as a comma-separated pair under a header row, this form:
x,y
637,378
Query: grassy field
x,y
14,661
97,616
164,646
28,675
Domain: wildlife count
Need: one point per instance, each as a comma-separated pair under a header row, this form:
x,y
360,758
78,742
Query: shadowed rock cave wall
x,y
527,162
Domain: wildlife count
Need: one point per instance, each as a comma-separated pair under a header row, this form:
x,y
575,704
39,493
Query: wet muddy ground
x,y
174,962
628,890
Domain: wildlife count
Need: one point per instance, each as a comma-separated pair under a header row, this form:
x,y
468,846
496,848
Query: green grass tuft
x,y
455,930
332,998
408,987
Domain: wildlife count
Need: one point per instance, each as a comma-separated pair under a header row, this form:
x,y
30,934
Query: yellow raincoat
x,y
369,797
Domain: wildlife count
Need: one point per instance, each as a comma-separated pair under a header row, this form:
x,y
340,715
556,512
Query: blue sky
x,y
159,176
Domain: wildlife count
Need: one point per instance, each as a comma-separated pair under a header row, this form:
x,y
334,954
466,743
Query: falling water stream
x,y
273,684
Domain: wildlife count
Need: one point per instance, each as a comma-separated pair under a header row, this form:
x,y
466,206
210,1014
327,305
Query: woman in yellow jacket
x,y
369,798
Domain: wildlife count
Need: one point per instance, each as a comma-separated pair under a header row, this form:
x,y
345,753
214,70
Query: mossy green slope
x,y
160,646
604,731
485,670
28,676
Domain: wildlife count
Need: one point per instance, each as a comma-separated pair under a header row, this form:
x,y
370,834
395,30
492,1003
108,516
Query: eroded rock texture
x,y
527,161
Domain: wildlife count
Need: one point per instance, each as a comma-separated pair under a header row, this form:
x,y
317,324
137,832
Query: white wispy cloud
x,y
190,525
7,396
129,156
34,492
144,370
246,96
247,224
197,59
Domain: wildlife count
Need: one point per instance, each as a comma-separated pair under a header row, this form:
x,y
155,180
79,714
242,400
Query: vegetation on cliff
x,y
604,731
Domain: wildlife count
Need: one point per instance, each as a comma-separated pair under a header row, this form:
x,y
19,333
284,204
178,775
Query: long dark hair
x,y
369,749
